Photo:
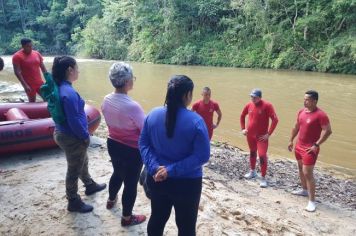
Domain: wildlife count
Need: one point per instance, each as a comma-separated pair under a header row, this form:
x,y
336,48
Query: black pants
x,y
127,165
183,195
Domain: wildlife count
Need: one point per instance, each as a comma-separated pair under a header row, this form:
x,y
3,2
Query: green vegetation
x,y
313,35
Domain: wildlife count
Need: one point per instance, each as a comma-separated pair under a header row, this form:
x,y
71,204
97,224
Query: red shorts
x,y
309,159
35,89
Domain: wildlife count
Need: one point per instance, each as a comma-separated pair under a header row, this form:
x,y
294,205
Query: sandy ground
x,y
32,200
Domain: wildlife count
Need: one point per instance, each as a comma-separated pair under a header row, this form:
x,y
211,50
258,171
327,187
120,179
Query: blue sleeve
x,y
199,156
148,156
73,117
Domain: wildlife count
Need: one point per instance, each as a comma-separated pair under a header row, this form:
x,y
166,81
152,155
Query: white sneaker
x,y
300,192
263,182
311,206
250,175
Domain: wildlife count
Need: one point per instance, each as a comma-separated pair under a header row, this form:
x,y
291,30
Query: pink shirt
x,y
124,118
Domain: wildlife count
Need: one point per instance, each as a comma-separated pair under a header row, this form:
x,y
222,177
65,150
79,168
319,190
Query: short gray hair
x,y
120,73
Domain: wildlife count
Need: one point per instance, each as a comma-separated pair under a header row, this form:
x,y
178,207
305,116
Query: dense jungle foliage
x,y
313,35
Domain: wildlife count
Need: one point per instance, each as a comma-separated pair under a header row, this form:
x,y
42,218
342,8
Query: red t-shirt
x,y
258,118
206,111
310,126
30,66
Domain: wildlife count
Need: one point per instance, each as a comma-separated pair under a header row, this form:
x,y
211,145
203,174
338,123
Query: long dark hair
x,y
60,67
178,87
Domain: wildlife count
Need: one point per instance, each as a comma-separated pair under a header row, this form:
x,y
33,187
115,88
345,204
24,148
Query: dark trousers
x,y
127,165
183,195
77,162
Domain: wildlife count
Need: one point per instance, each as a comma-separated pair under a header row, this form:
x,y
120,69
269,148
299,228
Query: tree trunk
x,y
23,24
295,16
3,10
306,27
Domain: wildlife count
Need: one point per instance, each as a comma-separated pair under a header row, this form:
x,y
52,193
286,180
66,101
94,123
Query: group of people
x,y
312,127
172,141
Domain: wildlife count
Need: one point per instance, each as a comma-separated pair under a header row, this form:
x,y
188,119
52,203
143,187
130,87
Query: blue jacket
x,y
184,154
76,123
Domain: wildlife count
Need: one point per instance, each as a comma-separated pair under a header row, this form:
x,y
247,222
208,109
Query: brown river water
x,y
230,88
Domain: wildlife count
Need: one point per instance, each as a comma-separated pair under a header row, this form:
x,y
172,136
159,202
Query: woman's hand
x,y
161,174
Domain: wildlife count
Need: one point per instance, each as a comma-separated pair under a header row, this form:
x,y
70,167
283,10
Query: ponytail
x,y
60,67
178,87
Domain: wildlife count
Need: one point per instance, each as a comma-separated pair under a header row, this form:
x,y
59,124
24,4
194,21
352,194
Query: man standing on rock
x,y
206,108
314,128
258,132
27,64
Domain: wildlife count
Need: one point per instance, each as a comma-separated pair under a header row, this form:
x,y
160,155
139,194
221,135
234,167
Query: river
x,y
231,88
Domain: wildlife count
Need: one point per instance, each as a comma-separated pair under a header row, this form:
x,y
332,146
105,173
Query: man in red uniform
x,y
259,112
314,128
27,64
206,108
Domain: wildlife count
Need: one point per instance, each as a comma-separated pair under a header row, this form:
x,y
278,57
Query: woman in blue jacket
x,y
174,145
72,135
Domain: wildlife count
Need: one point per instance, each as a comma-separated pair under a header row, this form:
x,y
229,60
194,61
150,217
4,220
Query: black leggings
x,y
127,165
183,195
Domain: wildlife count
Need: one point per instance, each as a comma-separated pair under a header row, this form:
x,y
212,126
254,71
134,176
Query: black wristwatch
x,y
316,145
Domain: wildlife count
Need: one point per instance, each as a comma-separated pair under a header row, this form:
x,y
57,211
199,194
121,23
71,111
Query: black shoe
x,y
77,205
93,188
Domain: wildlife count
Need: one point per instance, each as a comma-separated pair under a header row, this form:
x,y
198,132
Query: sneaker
x,y
251,174
300,192
93,188
311,206
111,203
263,182
134,220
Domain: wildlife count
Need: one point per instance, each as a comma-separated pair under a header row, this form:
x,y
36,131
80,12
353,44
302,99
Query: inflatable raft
x,y
28,126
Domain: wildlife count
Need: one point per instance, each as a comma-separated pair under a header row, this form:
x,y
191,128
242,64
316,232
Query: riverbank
x,y
33,198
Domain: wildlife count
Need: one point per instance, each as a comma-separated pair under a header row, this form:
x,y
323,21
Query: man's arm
x,y
19,76
43,67
325,133
294,133
218,111
274,119
242,120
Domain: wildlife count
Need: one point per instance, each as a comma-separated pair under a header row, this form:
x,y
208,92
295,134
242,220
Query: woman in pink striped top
x,y
124,118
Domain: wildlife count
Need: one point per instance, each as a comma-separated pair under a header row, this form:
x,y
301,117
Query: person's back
x,y
189,126
124,118
174,145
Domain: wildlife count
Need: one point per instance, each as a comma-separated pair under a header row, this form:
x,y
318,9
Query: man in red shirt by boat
x,y
206,108
27,64
313,128
259,113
